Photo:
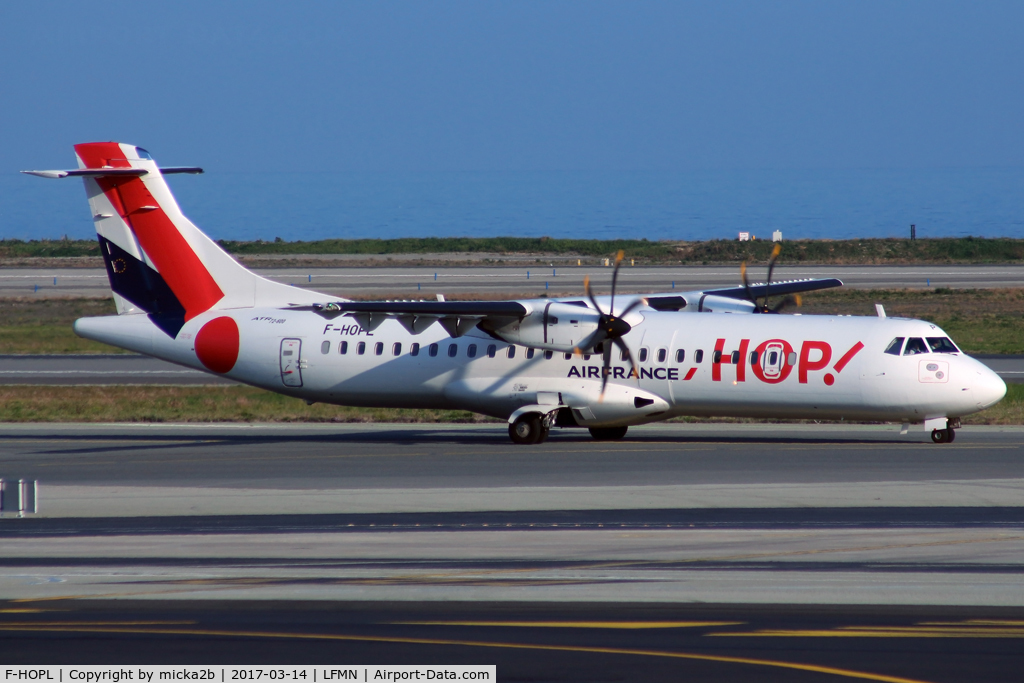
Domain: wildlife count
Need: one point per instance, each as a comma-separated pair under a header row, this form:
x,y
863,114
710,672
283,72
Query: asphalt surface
x,y
684,552
83,369
533,641
416,282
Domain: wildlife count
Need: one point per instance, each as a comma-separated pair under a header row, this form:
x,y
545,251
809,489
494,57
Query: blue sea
x,y
695,205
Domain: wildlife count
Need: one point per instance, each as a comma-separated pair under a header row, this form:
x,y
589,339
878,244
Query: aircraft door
x,y
291,358
773,360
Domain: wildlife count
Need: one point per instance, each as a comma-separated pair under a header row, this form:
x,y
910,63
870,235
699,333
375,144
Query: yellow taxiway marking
x,y
578,624
815,668
23,610
5,624
952,629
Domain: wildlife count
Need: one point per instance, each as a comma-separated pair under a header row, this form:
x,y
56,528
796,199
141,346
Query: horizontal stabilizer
x,y
108,172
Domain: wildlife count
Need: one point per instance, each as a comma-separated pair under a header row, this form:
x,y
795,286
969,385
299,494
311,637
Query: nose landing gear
x,y
949,433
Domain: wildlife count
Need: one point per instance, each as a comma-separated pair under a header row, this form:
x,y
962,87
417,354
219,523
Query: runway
x,y
416,282
113,369
684,551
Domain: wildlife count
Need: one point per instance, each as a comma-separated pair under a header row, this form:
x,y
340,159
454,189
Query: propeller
x,y
610,327
764,308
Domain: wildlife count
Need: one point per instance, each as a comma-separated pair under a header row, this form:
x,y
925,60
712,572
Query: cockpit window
x,y
915,345
942,345
895,346
143,154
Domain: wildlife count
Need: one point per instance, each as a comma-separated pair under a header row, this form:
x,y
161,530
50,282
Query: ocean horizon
x,y
691,205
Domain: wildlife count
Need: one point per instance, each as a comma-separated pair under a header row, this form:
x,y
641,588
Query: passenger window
x,y
942,345
753,357
698,356
361,348
471,351
453,350
680,355
915,345
773,358
791,358
716,356
432,350
586,356
548,355
397,349
325,347
662,355
529,353
512,351
643,355
735,358
343,348
378,348
895,346
492,350
414,349
568,356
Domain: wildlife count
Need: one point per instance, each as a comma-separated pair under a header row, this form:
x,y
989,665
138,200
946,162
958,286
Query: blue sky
x,y
420,86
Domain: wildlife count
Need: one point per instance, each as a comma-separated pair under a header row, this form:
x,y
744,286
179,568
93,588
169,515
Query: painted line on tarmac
x,y
724,659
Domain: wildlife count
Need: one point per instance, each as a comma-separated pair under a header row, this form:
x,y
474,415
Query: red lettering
x,y
716,361
765,369
847,357
808,365
741,367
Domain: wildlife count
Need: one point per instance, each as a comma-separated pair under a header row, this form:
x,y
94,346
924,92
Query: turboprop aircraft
x,y
599,362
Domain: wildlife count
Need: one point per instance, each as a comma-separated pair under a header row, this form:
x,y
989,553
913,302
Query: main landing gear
x,y
943,435
528,429
533,428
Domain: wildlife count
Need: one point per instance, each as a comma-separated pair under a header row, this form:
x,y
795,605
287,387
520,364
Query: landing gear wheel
x,y
608,433
527,430
952,435
943,435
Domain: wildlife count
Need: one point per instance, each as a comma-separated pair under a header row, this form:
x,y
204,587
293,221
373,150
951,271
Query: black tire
x,y
952,435
608,433
526,430
941,435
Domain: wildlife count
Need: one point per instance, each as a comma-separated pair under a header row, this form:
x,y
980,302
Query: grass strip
x,y
156,404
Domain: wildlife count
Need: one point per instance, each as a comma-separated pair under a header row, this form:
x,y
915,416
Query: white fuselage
x,y
805,366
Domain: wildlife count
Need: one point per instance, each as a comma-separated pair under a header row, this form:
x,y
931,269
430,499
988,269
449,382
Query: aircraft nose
x,y
989,388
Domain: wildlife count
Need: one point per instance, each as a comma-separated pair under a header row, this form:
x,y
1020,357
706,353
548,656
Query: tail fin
x,y
158,262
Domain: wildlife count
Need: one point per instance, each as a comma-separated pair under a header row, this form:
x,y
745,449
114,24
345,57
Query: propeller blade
x,y
615,279
629,356
788,301
605,369
746,283
771,267
636,303
590,294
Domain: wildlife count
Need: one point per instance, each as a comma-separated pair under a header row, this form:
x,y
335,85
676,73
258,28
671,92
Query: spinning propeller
x,y
610,327
764,308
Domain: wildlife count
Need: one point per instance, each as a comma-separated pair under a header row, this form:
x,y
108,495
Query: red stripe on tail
x,y
165,246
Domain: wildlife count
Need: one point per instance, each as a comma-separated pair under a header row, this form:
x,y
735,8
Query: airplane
x,y
604,363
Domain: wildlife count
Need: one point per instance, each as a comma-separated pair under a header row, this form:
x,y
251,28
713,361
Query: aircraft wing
x,y
778,288
457,317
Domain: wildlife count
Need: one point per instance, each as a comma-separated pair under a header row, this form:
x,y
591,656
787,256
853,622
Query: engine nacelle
x,y
556,326
707,303
622,404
